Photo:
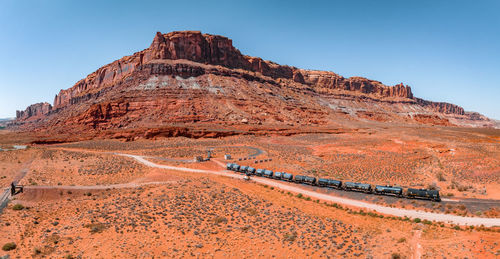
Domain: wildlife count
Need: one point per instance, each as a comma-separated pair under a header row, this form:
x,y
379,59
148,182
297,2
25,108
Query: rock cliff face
x,y
218,50
442,107
190,77
36,110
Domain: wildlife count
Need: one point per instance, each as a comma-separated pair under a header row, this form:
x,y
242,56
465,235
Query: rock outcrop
x,y
36,110
217,50
442,107
190,77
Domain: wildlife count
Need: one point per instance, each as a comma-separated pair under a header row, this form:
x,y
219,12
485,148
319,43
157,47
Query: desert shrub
x,y
9,246
220,219
96,227
440,177
401,240
300,195
252,211
417,220
432,186
395,256
18,207
290,236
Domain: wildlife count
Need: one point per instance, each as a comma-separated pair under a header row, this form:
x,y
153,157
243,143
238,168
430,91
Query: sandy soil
x,y
105,206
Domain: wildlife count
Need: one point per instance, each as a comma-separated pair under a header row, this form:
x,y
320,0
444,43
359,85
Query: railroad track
x,y
399,212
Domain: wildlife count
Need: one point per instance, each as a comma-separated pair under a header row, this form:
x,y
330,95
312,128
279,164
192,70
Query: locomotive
x,y
396,191
423,194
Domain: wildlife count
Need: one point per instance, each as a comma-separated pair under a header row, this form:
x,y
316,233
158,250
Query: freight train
x,y
396,191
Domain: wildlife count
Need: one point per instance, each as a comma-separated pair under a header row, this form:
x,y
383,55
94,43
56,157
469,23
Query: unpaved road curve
x,y
453,219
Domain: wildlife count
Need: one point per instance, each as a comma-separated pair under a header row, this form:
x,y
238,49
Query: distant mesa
x,y
190,77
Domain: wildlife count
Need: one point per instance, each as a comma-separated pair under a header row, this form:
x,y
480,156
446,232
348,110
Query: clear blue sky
x,y
445,50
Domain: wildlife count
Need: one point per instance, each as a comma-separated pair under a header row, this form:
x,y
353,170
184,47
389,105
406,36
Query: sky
x,y
445,50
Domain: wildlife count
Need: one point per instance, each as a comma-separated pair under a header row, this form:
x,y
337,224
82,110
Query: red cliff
x,y
123,89
36,110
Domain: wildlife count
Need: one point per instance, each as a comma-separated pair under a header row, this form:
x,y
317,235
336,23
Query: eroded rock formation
x,y
36,110
185,77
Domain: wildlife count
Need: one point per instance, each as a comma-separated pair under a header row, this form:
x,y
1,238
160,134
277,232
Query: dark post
x,y
12,189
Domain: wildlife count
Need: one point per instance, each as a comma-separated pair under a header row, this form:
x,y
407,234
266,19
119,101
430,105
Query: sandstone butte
x,y
187,80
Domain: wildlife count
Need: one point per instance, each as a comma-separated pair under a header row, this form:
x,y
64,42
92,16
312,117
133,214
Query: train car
x,y
388,190
277,175
229,166
243,169
423,194
329,183
335,184
299,179
250,170
322,182
235,167
268,173
360,187
259,172
287,177
310,180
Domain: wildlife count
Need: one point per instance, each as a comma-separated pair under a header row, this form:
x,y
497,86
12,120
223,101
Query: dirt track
x,y
459,220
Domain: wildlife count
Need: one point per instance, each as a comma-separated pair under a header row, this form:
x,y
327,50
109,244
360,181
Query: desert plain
x,y
87,199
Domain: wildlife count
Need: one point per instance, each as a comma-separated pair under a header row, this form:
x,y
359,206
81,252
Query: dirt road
x,y
5,195
453,219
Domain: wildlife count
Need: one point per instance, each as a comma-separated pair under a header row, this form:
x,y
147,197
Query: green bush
x,y
417,220
18,207
9,246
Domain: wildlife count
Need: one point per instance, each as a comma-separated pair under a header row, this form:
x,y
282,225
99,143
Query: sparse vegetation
x,y
9,246
96,227
18,206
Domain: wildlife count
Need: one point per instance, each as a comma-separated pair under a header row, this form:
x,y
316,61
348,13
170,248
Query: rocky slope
x,y
187,79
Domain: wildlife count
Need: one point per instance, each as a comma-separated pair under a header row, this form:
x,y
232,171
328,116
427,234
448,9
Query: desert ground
x,y
87,200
